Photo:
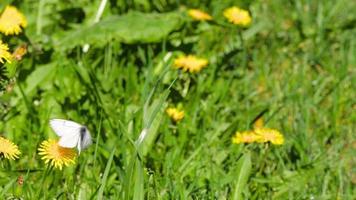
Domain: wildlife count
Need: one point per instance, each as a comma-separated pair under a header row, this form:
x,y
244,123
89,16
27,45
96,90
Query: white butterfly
x,y
72,134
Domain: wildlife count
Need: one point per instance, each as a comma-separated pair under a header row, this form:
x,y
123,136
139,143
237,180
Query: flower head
x,y
55,155
245,137
269,135
8,149
199,15
4,53
175,114
238,16
19,52
259,134
11,21
259,123
190,63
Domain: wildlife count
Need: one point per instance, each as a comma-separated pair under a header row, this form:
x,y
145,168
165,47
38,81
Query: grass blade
x,y
105,176
243,172
139,192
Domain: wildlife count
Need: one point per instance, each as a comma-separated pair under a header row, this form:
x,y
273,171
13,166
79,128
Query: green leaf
x,y
153,129
243,172
139,191
7,187
38,76
134,180
41,74
106,174
11,69
134,27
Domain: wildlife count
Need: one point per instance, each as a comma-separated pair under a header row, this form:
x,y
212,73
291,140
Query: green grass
x,y
297,59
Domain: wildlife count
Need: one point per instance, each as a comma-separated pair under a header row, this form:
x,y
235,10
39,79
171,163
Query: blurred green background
x,y
296,59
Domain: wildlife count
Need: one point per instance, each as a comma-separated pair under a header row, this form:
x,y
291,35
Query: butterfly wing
x,y
69,132
69,141
64,127
85,139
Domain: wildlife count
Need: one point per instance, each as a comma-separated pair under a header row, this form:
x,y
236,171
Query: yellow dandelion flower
x,y
269,135
245,137
238,16
55,155
175,114
4,53
20,52
259,123
199,15
11,21
8,149
190,63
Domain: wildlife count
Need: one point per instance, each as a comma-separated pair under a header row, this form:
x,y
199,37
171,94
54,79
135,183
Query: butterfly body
x,y
71,134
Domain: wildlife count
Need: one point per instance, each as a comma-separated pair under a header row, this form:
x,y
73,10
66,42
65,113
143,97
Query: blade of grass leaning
x,y
243,172
106,174
139,181
97,139
133,182
152,132
223,127
7,187
152,115
128,177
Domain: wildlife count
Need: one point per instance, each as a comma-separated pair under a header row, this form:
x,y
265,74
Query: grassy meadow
x,y
114,67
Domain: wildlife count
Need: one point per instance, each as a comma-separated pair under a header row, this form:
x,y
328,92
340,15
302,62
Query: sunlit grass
x,y
293,66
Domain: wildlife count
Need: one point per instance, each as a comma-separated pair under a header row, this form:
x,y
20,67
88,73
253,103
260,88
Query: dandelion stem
x,y
98,137
100,10
196,152
99,13
264,156
244,52
46,172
